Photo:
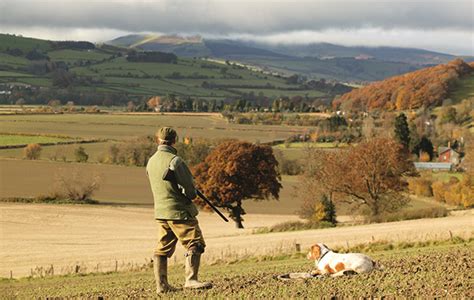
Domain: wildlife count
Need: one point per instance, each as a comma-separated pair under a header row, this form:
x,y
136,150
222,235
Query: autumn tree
x,y
402,132
369,174
32,151
236,171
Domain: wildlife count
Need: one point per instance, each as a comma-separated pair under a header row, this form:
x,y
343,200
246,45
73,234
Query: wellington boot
x,y
193,261
160,269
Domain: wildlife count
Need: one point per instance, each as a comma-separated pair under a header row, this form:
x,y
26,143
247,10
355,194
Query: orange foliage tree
x,y
426,87
369,174
235,171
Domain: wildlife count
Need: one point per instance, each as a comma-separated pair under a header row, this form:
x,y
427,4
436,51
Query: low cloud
x,y
299,21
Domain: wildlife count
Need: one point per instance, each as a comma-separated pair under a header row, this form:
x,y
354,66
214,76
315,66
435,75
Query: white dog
x,y
335,264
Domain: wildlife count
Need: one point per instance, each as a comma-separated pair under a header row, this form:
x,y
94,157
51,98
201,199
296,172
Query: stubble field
x,y
429,272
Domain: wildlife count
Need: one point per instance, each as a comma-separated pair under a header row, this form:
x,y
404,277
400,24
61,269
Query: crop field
x,y
436,269
125,126
38,235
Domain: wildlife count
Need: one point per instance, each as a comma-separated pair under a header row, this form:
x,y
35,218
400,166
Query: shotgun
x,y
171,177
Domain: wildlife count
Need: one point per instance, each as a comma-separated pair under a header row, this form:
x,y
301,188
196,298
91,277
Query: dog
x,y
334,264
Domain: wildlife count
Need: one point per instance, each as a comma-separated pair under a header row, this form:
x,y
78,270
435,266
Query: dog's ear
x,y
315,251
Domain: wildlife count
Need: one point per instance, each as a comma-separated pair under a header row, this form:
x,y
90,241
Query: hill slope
x,y
86,73
316,60
426,87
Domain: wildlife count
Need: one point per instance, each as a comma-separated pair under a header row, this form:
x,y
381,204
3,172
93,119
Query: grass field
x,y
433,271
9,139
464,90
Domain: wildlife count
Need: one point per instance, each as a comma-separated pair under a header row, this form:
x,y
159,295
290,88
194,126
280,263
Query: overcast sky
x,y
440,25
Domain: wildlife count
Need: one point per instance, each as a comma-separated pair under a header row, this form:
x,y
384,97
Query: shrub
x,y
420,187
430,212
317,210
81,155
74,186
294,226
455,192
32,151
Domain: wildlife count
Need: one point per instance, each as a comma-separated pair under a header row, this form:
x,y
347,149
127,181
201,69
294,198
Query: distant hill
x,y
427,87
316,60
94,74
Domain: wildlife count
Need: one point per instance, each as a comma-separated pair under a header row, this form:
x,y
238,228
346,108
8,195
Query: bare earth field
x,y
96,236
119,185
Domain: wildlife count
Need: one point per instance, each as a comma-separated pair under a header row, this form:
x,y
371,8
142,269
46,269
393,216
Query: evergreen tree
x,y
402,132
425,145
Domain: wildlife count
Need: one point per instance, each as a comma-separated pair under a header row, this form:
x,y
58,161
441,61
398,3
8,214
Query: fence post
x,y
11,274
116,265
298,248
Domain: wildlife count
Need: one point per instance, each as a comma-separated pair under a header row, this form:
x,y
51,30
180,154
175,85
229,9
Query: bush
x,y
74,186
455,192
287,166
420,187
294,226
81,155
32,151
430,212
318,210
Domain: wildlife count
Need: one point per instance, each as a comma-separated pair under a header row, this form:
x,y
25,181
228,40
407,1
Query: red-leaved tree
x,y
236,171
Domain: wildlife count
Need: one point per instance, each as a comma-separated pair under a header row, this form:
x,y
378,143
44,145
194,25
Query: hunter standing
x,y
174,213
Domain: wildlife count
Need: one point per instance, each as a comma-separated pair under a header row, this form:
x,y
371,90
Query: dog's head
x,y
316,251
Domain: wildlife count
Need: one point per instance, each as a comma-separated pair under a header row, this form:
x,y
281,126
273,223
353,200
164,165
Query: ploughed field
x,y
434,271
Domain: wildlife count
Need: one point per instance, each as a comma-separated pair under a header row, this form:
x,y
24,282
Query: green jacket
x,y
170,202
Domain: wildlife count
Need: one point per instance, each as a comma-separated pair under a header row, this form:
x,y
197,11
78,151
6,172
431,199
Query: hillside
x,y
316,60
86,73
427,87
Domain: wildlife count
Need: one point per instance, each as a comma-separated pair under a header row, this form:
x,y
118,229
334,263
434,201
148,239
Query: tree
x,y
402,132
317,209
81,155
32,151
369,174
235,171
424,146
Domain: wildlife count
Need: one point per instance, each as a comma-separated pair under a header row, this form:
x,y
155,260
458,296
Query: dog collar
x,y
323,255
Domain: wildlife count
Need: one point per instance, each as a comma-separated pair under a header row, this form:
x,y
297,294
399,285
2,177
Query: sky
x,y
438,25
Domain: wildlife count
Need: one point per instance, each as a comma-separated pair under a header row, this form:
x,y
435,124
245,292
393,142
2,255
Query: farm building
x,y
434,166
448,155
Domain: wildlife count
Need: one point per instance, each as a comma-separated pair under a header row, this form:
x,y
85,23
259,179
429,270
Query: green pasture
x,y
9,140
23,43
464,89
430,271
278,93
71,56
13,74
13,61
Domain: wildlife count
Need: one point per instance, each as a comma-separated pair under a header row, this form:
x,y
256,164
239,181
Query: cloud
x,y
234,18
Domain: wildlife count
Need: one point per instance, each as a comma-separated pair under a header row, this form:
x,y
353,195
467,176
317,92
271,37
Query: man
x,y
174,213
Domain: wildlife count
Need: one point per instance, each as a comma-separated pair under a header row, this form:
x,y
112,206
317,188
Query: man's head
x,y
166,136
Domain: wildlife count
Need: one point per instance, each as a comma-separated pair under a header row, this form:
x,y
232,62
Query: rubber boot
x,y
192,268
160,269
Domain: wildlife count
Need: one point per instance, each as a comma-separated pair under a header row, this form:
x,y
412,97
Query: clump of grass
x,y
429,212
382,245
293,226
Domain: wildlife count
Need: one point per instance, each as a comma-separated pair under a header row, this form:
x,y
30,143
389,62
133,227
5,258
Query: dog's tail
x,y
377,266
